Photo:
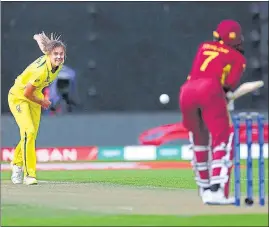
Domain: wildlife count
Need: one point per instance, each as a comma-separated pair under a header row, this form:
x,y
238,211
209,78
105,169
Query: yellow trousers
x,y
27,117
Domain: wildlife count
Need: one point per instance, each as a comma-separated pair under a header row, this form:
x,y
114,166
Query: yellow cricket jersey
x,y
39,74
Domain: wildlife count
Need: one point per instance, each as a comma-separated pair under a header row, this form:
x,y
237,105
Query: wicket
x,y
249,118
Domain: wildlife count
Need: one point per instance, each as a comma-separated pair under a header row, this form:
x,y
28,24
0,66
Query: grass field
x,y
41,212
41,217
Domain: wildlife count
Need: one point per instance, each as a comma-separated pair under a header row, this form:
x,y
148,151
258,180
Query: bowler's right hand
x,y
45,104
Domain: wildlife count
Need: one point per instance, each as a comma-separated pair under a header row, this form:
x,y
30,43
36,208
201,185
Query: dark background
x,y
126,53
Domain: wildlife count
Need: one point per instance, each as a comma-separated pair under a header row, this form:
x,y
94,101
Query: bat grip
x,y
230,95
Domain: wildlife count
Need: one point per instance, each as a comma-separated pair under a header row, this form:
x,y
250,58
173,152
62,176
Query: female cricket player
x,y
25,100
217,69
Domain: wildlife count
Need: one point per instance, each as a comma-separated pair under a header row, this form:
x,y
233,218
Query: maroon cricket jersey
x,y
216,60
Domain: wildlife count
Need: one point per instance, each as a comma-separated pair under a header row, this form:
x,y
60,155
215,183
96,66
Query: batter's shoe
x,y
17,174
30,180
216,198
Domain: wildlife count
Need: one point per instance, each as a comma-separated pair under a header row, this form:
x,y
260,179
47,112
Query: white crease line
x,y
72,208
125,208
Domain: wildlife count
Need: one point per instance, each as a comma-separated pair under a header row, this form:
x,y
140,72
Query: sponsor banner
x,y
110,153
255,153
57,154
168,153
187,154
138,153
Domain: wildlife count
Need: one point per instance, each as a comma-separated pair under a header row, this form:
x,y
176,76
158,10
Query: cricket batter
x,y
217,69
25,100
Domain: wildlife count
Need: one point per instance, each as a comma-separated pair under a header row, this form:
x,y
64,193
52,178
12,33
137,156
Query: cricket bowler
x,y
216,70
25,100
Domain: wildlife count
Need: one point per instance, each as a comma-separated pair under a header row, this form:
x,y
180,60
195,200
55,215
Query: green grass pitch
x,y
18,214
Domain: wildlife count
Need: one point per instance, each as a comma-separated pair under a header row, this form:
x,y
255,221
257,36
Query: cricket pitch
x,y
98,198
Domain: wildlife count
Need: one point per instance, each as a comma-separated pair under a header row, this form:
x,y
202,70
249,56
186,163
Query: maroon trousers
x,y
204,110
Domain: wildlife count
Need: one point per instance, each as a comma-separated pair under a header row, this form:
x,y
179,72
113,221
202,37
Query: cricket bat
x,y
246,88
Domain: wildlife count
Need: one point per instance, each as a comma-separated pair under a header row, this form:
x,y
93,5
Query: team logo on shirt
x,y
48,79
18,108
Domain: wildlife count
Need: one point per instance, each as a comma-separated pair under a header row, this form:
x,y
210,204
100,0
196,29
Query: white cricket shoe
x,y
29,180
17,174
216,198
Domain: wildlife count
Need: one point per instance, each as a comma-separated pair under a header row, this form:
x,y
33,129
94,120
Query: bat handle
x,y
230,95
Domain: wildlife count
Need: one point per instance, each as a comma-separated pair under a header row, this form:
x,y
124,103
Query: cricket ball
x,y
164,99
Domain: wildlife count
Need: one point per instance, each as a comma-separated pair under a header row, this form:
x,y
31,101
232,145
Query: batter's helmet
x,y
230,32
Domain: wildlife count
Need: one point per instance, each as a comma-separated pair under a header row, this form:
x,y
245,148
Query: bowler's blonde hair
x,y
50,43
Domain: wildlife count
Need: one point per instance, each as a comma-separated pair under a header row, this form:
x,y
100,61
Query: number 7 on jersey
x,y
211,55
